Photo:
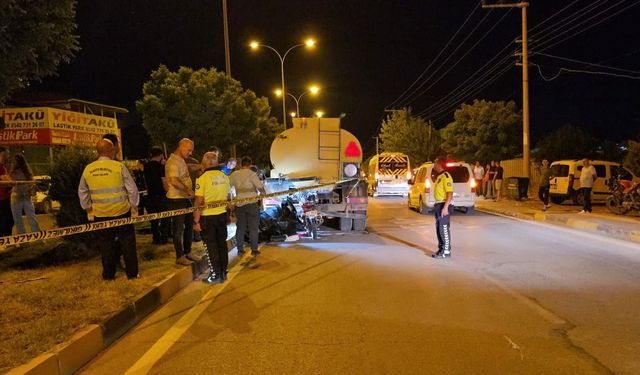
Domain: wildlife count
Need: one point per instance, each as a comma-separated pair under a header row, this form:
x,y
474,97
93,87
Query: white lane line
x,y
146,362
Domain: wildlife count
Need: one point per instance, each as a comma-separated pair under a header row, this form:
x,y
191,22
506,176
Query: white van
x,y
389,174
421,192
565,183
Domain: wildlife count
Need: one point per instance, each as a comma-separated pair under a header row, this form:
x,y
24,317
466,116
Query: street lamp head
x,y
310,43
278,93
319,113
254,45
314,90
293,114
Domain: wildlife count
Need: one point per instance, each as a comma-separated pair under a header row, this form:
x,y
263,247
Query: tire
x,y
614,205
46,207
578,198
422,208
314,232
409,202
346,224
464,210
359,225
557,200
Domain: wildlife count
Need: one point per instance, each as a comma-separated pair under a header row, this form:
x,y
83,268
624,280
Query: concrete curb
x,y
76,352
608,230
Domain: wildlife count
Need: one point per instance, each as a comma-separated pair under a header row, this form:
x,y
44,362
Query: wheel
x,y
46,207
615,205
578,197
359,224
345,224
409,202
423,209
314,232
464,210
557,200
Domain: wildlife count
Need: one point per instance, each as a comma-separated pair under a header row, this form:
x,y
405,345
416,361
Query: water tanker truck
x,y
318,151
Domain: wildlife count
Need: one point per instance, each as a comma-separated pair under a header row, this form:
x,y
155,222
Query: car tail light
x,y
427,185
473,184
451,164
409,175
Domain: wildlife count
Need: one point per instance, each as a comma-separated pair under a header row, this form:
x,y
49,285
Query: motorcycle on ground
x,y
311,216
625,196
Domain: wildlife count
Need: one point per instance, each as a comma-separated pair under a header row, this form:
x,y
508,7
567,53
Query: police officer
x,y
443,193
107,192
213,185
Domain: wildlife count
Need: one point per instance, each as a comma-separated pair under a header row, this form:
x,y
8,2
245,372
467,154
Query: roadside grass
x,y
42,306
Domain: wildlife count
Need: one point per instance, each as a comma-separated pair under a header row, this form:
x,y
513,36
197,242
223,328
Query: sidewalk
x,y
600,222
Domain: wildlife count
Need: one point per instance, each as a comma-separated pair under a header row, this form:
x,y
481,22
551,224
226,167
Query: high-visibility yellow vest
x,y
109,197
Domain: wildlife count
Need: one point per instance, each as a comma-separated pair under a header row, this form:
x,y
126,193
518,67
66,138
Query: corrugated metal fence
x,y
515,168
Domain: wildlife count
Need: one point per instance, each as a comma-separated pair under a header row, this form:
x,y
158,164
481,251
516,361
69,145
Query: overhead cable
x,y
408,97
561,70
588,63
439,54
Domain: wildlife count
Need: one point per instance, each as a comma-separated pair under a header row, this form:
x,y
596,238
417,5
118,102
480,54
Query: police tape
x,y
20,239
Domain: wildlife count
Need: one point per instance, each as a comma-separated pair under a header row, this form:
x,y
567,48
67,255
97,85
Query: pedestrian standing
x,y
491,188
157,195
141,184
545,184
6,217
485,181
108,192
247,185
21,195
478,175
588,176
211,186
498,181
442,193
179,195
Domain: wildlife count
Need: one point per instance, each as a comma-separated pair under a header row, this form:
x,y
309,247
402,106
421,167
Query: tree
x,y
413,136
209,107
632,160
35,37
567,142
484,131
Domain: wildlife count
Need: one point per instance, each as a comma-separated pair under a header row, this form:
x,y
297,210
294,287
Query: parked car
x,y
565,183
41,201
421,192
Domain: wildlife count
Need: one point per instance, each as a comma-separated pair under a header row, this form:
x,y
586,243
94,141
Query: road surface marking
x,y
146,362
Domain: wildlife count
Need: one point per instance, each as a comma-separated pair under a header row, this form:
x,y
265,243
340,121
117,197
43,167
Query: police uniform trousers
x,y
443,228
111,240
248,219
214,234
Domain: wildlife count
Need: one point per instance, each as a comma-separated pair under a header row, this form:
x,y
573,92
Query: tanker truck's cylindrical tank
x,y
313,148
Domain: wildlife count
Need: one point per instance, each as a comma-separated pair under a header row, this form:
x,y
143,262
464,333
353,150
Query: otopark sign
x,y
53,126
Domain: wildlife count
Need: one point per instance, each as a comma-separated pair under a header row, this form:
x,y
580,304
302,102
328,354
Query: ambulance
x,y
389,174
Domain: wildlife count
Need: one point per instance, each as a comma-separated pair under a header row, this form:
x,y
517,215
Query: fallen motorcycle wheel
x,y
616,206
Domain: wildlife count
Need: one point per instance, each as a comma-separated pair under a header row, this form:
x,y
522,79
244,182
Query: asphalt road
x,y
516,298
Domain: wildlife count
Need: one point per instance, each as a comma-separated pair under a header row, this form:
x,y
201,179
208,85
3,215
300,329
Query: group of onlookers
x,y
488,180
15,197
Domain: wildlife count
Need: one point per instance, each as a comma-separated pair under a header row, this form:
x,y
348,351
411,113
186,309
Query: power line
x,y
561,70
563,23
588,63
472,92
585,29
463,56
552,16
475,92
438,56
462,85
407,98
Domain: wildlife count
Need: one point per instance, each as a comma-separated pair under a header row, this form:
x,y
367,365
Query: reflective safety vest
x,y
109,197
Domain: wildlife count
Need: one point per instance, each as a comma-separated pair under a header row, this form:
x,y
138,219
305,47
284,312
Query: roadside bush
x,y
65,173
632,160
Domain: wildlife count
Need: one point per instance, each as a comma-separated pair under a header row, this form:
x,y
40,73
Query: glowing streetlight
x,y
293,114
309,43
319,113
313,90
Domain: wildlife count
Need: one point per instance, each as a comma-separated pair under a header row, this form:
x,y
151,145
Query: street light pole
x,y
525,83
308,43
313,90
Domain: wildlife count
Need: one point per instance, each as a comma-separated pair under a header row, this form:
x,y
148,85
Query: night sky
x,y
368,54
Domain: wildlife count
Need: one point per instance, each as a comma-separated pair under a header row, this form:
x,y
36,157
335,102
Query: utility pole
x,y
525,83
227,57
